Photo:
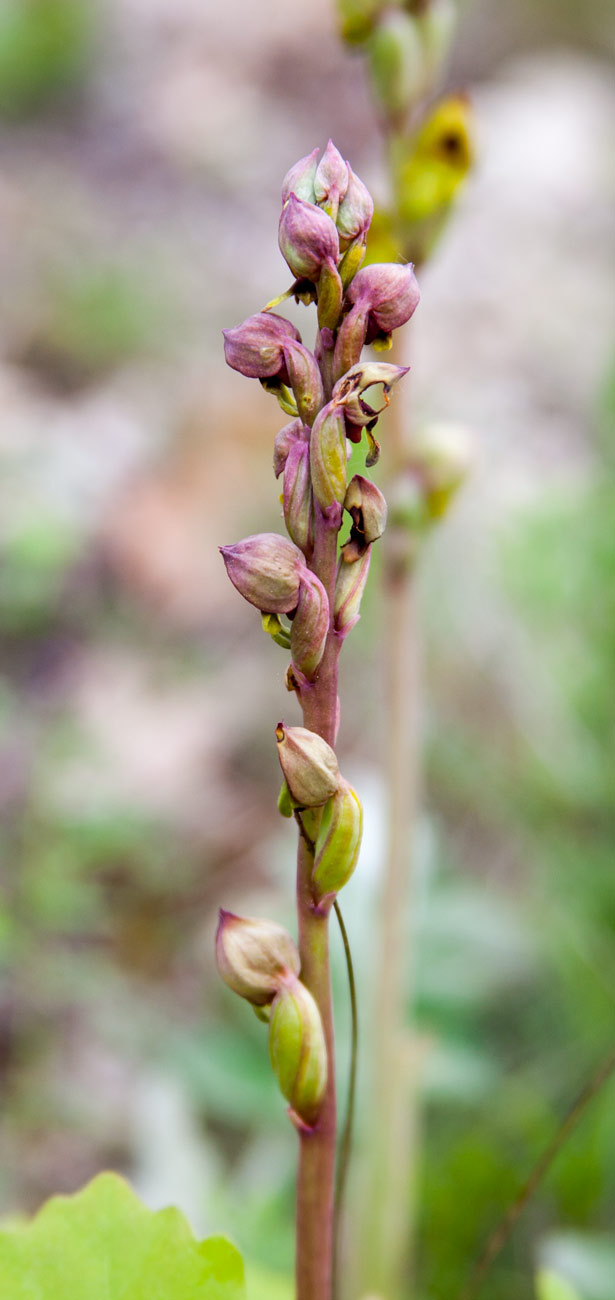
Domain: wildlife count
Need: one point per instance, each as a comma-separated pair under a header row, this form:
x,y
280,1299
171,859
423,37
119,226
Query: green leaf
x,y
103,1244
550,1286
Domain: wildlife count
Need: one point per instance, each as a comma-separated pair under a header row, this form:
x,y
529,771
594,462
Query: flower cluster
x,y
333,398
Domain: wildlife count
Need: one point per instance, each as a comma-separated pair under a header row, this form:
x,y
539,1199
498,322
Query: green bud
x,y
254,956
309,765
338,841
298,1050
285,803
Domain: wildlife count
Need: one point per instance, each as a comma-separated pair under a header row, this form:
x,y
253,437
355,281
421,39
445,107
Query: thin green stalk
x,y
346,1139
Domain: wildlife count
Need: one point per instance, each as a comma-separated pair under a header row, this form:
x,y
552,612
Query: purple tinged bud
x,y
329,457
267,570
355,211
331,180
307,238
368,510
388,292
310,626
305,381
298,508
256,347
349,588
350,339
298,1051
255,958
299,180
284,440
309,765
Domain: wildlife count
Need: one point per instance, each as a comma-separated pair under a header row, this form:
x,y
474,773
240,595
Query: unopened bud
x,y
310,626
330,295
298,1050
299,180
298,508
266,569
307,238
254,956
396,63
388,292
256,347
355,211
331,180
338,842
309,765
349,587
329,457
305,380
368,510
358,18
284,440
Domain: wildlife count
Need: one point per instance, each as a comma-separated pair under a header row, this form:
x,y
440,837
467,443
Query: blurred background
x,y
142,146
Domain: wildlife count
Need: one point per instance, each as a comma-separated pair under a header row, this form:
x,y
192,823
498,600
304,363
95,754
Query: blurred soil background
x,y
142,145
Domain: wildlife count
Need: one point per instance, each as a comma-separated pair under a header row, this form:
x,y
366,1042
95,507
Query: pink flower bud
x,y
309,765
331,180
307,238
355,211
299,180
284,440
349,588
368,510
329,457
310,626
256,347
255,958
298,508
388,292
305,380
266,569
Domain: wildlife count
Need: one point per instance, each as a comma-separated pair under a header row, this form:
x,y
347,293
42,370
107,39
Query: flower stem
x,y
316,1175
346,1140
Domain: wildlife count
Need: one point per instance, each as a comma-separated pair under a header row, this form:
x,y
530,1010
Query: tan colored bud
x,y
254,956
338,842
309,765
349,588
298,1050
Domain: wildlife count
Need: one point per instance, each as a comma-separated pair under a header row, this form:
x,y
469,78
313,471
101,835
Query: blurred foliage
x,y
103,1242
44,50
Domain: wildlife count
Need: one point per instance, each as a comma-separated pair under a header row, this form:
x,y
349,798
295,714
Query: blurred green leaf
x,y
549,1286
44,50
103,1242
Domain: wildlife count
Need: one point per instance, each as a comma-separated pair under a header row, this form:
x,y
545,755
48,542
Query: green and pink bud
x,y
305,380
297,498
309,765
383,297
266,570
254,957
355,212
298,1051
310,626
299,180
349,587
329,461
331,180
